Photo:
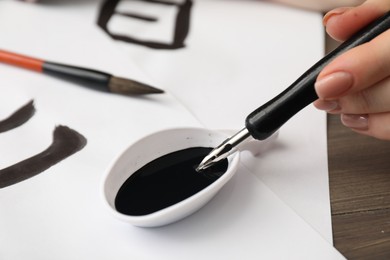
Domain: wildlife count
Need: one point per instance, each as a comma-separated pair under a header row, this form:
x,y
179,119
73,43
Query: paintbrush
x,y
86,77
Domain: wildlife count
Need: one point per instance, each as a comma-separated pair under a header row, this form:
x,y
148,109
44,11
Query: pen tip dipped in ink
x,y
225,149
131,87
205,163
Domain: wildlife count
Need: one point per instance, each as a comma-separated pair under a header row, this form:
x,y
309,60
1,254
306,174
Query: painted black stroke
x,y
137,16
66,142
18,118
181,30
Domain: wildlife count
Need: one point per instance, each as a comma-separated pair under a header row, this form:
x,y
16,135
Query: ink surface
x,y
166,181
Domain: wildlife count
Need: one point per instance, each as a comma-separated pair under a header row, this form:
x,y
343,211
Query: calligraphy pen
x,y
86,77
268,118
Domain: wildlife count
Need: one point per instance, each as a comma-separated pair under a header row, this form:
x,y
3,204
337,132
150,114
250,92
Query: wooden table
x,y
359,175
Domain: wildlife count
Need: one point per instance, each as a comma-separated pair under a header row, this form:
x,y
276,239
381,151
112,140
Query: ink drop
x,y
166,181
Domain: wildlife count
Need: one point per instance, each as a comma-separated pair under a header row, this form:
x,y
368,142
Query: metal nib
x,y
214,156
225,149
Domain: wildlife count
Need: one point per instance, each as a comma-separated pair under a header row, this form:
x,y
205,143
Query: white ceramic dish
x,y
153,146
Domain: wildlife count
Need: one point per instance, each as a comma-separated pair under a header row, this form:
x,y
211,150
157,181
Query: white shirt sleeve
x,y
319,5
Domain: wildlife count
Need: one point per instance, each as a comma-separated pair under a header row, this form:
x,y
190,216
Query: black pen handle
x,y
268,118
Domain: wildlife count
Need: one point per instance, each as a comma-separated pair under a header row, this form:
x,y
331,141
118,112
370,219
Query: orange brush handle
x,y
21,61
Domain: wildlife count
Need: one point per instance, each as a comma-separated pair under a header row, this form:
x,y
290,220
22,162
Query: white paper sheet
x,y
59,213
238,55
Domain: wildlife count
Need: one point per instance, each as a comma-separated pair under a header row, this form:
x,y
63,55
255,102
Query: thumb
x,y
342,23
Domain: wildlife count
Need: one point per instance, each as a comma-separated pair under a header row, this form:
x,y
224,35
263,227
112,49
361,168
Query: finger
x,y
375,99
330,106
342,23
375,125
355,70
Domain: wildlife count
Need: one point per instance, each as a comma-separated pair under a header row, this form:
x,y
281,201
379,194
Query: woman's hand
x,y
356,84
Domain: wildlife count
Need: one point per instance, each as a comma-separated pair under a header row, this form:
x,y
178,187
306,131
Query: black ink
x,y
138,16
181,26
166,181
65,143
18,118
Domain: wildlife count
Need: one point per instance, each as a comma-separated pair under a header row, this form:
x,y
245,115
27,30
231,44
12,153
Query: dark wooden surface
x,y
359,175
359,178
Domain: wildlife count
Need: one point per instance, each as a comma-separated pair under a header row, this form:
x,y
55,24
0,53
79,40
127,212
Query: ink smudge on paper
x,y
65,142
181,24
18,118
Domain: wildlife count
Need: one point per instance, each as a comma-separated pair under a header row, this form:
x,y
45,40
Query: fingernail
x,y
359,122
333,85
333,13
327,105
